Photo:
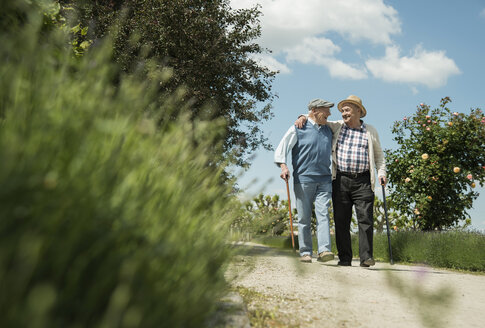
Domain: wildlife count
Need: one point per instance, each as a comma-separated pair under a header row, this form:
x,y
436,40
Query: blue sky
x,y
392,54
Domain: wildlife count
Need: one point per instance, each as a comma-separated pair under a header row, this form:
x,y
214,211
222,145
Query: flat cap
x,y
319,103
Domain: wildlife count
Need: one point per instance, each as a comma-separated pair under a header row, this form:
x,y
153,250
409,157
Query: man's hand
x,y
285,173
382,180
300,122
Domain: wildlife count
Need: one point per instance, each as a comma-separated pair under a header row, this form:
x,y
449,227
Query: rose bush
x,y
440,159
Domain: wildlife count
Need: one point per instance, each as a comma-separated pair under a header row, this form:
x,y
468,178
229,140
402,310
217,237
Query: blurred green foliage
x,y
432,306
106,218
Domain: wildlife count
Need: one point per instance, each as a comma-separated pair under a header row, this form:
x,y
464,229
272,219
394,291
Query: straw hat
x,y
353,100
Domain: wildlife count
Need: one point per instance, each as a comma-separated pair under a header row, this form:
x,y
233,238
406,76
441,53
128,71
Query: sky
x,y
394,55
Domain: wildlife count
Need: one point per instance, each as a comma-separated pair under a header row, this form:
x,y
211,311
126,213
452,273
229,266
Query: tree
x,y
205,46
440,159
268,214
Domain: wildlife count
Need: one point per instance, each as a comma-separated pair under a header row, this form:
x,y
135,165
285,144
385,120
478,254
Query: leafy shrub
x,y
439,162
105,218
264,215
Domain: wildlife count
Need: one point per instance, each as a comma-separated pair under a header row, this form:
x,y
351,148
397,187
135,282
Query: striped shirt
x,y
353,150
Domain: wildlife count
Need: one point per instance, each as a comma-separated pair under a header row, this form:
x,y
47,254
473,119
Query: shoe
x,y
306,259
367,263
344,263
325,257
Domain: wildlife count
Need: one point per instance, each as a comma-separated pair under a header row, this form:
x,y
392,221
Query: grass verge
x,y
458,250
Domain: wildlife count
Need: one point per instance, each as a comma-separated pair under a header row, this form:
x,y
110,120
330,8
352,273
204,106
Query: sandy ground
x,y
326,295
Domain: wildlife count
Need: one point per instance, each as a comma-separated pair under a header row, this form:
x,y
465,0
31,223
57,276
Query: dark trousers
x,y
348,192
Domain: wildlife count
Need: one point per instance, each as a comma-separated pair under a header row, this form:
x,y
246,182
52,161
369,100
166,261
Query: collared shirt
x,y
353,150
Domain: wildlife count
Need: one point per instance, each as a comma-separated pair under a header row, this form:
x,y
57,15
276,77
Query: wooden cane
x,y
291,218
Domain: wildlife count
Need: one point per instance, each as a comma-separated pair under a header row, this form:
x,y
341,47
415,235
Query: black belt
x,y
353,175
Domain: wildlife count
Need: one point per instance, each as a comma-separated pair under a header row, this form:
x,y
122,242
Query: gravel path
x,y
326,295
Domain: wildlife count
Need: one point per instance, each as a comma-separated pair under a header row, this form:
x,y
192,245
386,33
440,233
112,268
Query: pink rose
x,y
469,176
427,129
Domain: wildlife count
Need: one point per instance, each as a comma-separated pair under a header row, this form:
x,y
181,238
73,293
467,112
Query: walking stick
x,y
291,218
387,221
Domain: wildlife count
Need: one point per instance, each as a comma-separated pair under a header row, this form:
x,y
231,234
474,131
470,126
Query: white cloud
x,y
297,28
312,50
301,31
286,22
321,51
430,68
271,63
342,70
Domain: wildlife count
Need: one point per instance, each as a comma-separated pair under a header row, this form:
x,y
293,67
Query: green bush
x,y
106,220
439,162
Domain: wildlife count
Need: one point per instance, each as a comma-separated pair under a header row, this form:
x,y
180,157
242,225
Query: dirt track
x,y
327,295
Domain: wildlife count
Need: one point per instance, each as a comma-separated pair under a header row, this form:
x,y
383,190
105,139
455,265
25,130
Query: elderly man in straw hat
x,y
356,155
311,149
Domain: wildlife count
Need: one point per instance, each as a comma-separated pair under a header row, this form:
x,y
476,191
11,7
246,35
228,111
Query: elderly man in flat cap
x,y
357,154
311,149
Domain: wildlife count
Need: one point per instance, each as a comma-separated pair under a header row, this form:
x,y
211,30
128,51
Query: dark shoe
x,y
367,263
325,257
344,263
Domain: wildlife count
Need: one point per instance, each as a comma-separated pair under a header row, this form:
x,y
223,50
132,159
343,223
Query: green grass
x,y
452,249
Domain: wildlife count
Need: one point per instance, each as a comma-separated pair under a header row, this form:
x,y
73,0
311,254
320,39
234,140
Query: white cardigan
x,y
376,155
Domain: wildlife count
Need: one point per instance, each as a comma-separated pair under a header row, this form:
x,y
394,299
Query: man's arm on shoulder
x,y
334,125
301,120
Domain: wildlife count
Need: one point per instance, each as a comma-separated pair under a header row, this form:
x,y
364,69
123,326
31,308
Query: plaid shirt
x,y
353,150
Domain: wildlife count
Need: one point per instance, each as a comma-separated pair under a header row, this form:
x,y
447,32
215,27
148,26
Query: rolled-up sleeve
x,y
285,146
